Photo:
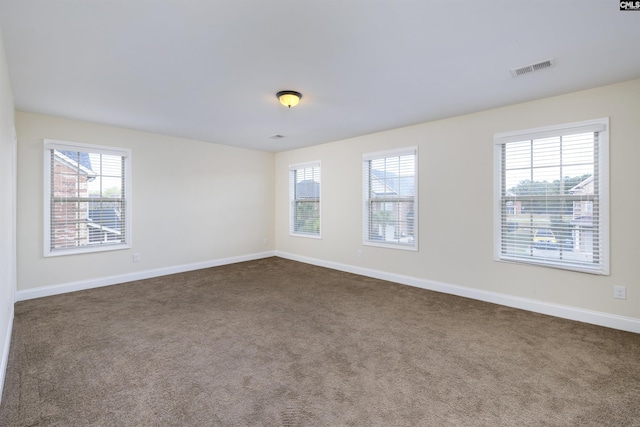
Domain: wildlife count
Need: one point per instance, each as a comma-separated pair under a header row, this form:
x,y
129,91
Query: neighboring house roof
x,y
583,187
391,184
583,221
107,218
308,189
73,158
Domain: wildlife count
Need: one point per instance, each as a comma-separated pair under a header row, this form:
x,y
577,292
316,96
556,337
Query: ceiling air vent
x,y
515,72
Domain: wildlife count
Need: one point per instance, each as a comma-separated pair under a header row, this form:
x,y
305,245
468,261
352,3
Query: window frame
x,y
601,163
292,200
366,159
52,144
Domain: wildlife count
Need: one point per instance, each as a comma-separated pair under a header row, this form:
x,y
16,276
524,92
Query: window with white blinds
x,y
87,206
552,187
304,199
391,198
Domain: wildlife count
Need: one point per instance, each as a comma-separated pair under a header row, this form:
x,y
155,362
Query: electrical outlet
x,y
359,253
266,242
620,292
136,257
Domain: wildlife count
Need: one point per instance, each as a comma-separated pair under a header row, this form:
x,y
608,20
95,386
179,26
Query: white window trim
x,y
596,125
293,167
365,195
50,144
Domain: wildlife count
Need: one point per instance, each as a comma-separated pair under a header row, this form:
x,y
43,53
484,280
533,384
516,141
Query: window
x,y
87,206
552,196
390,199
304,199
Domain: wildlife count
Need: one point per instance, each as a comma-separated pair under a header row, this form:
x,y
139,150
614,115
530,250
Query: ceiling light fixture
x,y
289,98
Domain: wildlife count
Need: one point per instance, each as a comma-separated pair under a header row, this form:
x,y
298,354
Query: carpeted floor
x,y
279,343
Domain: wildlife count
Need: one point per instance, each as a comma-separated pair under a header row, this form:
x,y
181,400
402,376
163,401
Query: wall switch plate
x,y
620,292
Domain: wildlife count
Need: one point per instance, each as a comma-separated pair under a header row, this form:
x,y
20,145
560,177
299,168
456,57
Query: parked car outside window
x,y
543,238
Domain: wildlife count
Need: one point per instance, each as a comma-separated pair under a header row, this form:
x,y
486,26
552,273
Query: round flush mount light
x,y
289,98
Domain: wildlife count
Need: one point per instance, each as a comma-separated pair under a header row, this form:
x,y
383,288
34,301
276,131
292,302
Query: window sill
x,y
85,250
308,236
402,247
601,271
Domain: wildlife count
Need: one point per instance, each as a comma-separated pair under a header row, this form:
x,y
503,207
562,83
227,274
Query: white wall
x,y
7,212
193,203
456,204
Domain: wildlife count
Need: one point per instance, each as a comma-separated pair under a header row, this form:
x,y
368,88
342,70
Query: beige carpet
x,y
279,343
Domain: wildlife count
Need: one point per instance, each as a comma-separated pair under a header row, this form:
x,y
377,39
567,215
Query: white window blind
x,y
553,196
304,199
86,198
390,198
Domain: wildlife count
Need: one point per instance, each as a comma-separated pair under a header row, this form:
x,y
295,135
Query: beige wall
x,y
456,202
193,202
218,202
7,211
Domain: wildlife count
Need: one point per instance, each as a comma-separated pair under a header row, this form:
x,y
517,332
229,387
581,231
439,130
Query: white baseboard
x,y
567,312
63,288
5,351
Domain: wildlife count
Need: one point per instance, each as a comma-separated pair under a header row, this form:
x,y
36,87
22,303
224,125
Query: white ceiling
x,y
209,70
